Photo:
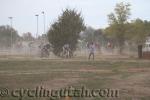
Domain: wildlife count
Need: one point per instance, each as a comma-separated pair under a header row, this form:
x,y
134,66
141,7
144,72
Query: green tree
x,y
138,30
66,30
5,36
118,22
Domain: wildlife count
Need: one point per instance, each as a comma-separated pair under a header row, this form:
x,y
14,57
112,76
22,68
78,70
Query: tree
x,y
138,30
99,36
66,31
5,36
118,22
93,35
27,36
88,34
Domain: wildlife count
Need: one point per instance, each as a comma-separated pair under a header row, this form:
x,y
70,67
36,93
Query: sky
x,y
94,12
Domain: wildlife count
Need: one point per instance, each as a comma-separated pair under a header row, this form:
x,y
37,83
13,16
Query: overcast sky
x,y
94,12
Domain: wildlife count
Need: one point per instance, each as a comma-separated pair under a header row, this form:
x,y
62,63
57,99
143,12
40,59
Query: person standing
x,y
66,51
91,50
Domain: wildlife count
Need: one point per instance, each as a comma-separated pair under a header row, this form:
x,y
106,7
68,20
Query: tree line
x,y
70,27
122,30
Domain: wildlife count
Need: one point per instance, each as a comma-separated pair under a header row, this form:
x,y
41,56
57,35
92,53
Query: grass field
x,y
130,76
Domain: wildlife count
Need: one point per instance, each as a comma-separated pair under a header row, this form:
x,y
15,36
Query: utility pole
x,y
11,35
37,26
43,21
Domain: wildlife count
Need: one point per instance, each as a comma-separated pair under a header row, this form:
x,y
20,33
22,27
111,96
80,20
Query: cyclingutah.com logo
x,y
41,92
4,92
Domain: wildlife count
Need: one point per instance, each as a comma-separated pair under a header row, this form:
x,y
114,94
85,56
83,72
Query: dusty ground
x,y
128,75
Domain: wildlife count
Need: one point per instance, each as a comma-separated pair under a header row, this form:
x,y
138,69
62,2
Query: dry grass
x,y
130,76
